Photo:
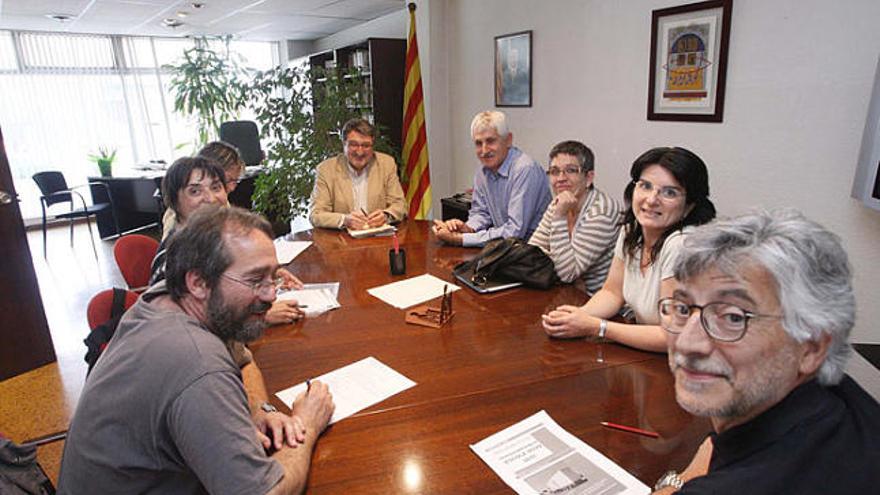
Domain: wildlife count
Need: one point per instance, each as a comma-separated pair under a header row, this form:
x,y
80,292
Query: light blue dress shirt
x,y
508,202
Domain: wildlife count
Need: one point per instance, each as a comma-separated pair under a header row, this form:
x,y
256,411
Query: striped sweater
x,y
587,253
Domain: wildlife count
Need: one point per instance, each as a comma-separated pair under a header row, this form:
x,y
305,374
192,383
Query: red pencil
x,y
396,244
630,429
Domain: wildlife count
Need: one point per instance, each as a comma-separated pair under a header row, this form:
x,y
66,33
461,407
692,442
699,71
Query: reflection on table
x,y
490,367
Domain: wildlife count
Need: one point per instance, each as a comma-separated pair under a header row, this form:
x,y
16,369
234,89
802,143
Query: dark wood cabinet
x,y
380,63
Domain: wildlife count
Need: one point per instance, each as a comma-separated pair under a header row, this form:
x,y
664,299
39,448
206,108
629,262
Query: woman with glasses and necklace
x,y
580,225
669,192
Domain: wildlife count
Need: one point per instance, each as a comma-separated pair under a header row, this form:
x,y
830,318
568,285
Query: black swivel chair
x,y
55,190
244,135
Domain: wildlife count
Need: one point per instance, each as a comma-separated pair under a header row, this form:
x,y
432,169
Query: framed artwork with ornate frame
x,y
513,70
689,61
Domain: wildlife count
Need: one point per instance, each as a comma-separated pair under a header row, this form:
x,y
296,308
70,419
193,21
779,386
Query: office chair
x,y
103,313
54,189
134,254
244,135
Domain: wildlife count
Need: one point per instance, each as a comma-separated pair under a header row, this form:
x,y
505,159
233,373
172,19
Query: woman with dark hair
x,y
669,193
229,159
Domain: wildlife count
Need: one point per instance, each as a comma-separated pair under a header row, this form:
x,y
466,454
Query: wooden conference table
x,y
489,368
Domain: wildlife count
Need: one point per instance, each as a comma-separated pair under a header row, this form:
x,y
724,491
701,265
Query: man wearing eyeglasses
x,y
510,189
165,410
359,188
757,338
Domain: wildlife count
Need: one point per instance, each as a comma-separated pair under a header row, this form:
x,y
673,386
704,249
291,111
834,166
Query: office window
x,y
64,51
62,96
7,52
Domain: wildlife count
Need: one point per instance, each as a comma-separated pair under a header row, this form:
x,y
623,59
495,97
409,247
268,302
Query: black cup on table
x,y
397,261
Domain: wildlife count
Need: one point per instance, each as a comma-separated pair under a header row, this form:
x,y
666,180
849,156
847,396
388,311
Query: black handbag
x,y
510,260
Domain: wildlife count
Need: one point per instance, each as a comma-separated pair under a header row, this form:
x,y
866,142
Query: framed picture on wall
x,y
689,62
513,70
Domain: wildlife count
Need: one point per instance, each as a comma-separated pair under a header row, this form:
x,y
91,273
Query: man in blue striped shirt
x,y
510,189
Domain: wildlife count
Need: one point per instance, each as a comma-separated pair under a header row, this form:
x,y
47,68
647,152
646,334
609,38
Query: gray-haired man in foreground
x,y
758,343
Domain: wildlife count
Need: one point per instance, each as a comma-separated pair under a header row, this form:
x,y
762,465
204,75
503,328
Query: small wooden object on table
x,y
432,316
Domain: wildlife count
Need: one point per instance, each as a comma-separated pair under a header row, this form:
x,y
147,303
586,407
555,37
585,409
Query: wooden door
x,y
25,342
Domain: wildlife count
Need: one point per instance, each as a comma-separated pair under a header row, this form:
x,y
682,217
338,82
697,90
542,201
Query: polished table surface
x,y
487,369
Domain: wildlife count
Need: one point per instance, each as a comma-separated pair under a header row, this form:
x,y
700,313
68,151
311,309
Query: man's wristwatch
x,y
669,479
268,408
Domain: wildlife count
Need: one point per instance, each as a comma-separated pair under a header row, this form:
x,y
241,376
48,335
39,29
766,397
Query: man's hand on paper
x,y
274,429
284,312
376,219
356,220
315,407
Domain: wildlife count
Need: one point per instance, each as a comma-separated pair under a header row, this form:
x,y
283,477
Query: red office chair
x,y
103,319
134,254
98,310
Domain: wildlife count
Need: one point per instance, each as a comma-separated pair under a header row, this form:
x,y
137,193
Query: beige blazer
x,y
332,197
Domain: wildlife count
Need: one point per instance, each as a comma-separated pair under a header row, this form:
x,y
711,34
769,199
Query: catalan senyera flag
x,y
415,141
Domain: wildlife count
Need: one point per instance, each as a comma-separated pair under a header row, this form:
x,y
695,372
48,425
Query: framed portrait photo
x,y
689,62
513,70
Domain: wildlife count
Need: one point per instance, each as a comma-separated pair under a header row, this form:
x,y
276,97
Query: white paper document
x,y
355,387
536,457
412,291
314,299
382,230
286,251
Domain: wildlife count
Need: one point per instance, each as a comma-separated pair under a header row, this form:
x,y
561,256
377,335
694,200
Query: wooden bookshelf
x,y
380,64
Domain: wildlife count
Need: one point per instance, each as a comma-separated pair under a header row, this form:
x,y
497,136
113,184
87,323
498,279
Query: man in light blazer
x,y
359,188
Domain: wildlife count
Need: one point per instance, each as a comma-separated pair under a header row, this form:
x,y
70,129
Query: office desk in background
x,y
138,204
490,367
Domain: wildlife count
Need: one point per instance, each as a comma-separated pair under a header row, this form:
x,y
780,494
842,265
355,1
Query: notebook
x,y
381,230
490,286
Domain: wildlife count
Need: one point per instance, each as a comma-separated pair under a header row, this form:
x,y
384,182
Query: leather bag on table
x,y
510,260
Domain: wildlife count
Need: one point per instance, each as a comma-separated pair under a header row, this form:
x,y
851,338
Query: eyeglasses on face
x,y
722,321
666,193
569,171
361,146
257,286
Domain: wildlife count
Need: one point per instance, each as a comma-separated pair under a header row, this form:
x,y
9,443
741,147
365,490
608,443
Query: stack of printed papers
x,y
316,298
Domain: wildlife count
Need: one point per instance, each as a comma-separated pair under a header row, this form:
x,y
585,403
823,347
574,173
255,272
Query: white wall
x,y
798,85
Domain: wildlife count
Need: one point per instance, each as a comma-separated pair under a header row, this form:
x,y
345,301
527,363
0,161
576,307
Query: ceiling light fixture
x,y
197,5
61,17
171,22
182,13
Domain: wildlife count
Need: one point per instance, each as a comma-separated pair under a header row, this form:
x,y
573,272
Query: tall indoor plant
x,y
207,85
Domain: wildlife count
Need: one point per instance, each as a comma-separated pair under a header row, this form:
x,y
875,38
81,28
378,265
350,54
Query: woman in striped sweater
x,y
668,194
580,225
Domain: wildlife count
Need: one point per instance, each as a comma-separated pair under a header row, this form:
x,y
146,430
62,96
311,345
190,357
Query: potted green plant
x,y
104,158
300,112
206,86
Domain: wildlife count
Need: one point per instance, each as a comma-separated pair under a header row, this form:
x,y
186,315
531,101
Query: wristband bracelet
x,y
603,327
